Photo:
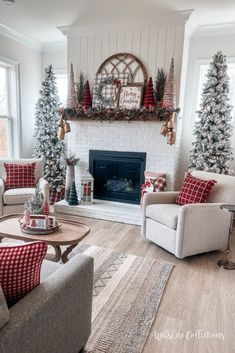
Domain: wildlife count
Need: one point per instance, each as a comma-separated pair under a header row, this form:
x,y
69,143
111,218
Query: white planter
x,y
70,177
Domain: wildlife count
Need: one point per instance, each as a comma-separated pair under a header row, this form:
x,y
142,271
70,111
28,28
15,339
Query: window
x,y
5,119
61,80
203,68
9,111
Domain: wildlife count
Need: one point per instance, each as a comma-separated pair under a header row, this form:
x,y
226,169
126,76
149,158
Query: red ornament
x,y
149,95
46,209
86,100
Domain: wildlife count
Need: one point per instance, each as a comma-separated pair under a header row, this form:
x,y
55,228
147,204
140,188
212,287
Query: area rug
x,y
126,295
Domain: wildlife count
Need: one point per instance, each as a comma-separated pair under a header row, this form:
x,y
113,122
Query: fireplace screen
x,y
117,175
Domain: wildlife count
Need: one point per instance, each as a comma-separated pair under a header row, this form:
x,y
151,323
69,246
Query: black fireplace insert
x,y
117,175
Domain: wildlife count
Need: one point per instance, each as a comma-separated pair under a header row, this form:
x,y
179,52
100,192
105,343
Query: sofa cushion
x,y
20,175
194,190
48,268
4,312
166,214
20,267
17,196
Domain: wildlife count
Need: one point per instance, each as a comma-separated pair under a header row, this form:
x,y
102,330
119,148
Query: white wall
x,y
30,80
54,54
202,46
153,44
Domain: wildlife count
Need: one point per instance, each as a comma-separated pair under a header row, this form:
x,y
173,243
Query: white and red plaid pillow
x,y
194,190
20,267
20,175
160,184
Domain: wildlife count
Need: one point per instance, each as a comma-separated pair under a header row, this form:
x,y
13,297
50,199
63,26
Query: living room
x,y
117,176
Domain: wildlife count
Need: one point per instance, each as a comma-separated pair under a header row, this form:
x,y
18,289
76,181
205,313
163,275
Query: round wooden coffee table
x,y
68,235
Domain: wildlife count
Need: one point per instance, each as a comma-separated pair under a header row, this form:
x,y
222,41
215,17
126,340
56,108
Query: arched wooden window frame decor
x,y
123,63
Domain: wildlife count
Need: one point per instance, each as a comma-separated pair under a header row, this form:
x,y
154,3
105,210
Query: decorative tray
x,y
39,227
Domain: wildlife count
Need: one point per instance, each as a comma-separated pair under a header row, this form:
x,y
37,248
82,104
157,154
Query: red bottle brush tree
x,y
86,100
149,94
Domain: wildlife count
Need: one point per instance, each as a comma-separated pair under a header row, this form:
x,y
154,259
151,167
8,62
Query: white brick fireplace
x,y
118,136
128,137
154,44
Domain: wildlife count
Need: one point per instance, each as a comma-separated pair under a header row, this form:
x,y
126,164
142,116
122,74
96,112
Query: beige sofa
x,y
12,201
55,317
190,229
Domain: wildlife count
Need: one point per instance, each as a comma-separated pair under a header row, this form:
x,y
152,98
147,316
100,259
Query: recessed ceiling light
x,y
9,2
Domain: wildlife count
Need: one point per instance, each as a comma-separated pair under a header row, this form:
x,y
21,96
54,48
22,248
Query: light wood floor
x,y
198,296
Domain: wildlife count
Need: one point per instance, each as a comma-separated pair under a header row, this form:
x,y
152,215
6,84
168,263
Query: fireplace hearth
x,y
117,175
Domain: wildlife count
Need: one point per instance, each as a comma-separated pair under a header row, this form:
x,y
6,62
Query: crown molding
x,y
214,30
19,37
54,46
178,17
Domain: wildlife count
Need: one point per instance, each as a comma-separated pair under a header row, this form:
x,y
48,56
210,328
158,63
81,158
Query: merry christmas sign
x,y
130,96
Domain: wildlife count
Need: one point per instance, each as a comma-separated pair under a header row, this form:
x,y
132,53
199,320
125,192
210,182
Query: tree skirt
x,y
126,296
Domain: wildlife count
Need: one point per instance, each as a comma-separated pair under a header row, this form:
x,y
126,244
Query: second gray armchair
x,y
190,229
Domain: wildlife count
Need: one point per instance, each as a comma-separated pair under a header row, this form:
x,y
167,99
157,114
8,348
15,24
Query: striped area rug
x,y
126,296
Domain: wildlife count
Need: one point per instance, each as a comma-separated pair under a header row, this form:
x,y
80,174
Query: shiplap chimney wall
x,y
154,45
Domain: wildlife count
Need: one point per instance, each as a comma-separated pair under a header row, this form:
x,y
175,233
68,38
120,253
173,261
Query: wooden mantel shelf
x,y
94,114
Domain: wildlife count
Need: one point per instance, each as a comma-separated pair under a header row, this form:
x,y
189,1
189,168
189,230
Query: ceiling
x,y
38,19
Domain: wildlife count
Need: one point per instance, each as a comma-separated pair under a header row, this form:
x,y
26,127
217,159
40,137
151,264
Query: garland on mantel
x,y
102,114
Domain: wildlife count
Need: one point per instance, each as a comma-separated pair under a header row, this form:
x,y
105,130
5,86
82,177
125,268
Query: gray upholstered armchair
x,y
55,317
12,201
190,229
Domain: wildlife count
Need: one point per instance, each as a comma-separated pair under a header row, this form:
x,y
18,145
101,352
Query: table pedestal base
x,y
226,263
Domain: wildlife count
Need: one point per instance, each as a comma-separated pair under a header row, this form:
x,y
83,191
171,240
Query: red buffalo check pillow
x,y
194,190
20,175
20,267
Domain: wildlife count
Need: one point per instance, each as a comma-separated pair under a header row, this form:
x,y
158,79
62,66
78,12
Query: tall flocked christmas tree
x,y
47,145
212,150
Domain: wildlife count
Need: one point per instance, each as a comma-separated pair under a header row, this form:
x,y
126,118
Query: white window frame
x,y
14,108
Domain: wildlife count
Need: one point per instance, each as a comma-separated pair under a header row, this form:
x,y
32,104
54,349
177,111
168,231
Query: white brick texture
x,y
125,136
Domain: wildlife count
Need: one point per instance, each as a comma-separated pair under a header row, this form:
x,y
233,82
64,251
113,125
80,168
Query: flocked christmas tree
x,y
212,150
149,94
86,100
47,145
